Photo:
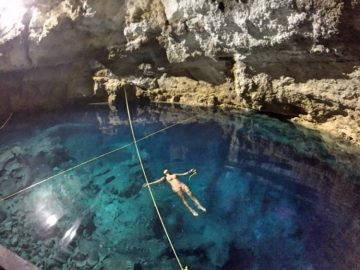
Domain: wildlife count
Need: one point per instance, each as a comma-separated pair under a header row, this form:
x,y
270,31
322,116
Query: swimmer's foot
x,y
195,214
202,208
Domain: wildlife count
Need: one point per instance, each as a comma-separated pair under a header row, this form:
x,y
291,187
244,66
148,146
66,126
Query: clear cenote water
x,y
277,196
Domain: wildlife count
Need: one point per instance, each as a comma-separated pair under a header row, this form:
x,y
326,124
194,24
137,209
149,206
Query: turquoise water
x,y
277,196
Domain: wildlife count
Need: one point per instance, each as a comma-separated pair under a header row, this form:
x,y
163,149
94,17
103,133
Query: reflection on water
x,y
277,196
70,234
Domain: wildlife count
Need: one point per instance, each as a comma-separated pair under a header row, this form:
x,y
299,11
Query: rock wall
x,y
298,59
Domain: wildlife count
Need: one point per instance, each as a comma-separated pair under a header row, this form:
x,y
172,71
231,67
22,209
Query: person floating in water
x,y
180,188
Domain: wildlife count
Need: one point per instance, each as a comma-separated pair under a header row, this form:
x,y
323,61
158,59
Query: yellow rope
x,y
148,185
87,162
7,120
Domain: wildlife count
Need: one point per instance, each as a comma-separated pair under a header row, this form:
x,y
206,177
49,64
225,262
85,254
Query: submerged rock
x,y
80,264
93,258
3,216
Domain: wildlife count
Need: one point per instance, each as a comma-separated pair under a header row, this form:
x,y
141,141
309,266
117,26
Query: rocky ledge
x,y
294,59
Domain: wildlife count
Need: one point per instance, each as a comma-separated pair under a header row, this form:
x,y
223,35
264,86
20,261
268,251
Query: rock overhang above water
x,y
287,58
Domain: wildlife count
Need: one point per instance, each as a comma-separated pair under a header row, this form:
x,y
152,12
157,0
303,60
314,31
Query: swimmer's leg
x,y
193,198
181,195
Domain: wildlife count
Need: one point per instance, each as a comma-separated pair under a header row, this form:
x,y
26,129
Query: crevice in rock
x,y
26,22
221,6
282,111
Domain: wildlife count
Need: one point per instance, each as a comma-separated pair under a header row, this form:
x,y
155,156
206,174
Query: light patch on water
x,y
51,220
70,234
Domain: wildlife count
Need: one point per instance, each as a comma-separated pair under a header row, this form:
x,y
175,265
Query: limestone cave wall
x,y
298,59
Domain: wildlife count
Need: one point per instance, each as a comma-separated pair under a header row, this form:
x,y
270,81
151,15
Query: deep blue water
x,y
278,196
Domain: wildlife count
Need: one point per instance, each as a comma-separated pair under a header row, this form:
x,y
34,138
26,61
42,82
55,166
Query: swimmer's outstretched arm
x,y
155,182
185,173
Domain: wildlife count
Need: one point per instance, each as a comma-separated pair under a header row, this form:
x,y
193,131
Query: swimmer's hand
x,y
192,171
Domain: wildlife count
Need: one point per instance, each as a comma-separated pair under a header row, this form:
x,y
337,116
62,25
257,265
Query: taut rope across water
x,y
6,121
149,188
87,162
